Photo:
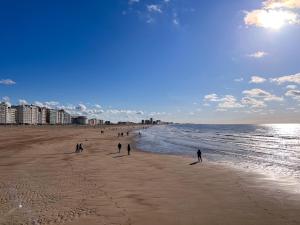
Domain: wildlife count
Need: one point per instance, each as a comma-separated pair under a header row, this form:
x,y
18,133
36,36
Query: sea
x,y
269,149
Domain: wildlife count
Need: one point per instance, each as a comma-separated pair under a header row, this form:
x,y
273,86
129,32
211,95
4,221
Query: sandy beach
x,y
42,181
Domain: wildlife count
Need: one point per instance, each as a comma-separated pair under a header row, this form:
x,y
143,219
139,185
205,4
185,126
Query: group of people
x,y
122,134
79,148
128,148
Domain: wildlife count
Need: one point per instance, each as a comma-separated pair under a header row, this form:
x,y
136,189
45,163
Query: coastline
x,y
55,186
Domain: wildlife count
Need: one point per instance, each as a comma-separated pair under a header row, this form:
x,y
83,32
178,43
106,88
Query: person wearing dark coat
x,y
77,148
129,149
199,154
119,147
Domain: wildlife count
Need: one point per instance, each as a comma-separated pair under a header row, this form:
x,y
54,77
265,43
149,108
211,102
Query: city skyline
x,y
234,62
37,114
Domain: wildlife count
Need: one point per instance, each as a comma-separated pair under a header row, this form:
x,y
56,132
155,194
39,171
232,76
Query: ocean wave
x,y
268,147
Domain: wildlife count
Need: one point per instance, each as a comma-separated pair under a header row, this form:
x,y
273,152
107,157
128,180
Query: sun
x,y
271,19
276,19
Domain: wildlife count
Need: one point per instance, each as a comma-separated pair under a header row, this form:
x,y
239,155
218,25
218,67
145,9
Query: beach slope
x,y
42,181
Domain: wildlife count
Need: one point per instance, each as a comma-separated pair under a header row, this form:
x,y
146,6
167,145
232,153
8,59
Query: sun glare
x,y
273,19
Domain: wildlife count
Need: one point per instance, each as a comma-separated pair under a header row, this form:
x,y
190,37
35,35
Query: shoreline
x,y
276,182
40,172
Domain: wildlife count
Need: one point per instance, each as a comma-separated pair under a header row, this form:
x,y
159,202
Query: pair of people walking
x,y
79,148
128,148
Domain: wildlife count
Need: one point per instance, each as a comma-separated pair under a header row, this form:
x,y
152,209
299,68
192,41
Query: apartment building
x,y
63,117
13,113
52,116
4,113
60,116
42,115
27,114
67,118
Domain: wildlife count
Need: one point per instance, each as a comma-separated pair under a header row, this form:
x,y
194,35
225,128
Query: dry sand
x,y
43,182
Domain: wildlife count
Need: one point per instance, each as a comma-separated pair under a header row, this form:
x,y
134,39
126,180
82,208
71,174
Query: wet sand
x,y
42,181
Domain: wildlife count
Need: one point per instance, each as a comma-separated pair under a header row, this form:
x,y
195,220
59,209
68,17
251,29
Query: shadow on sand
x,y
194,163
114,153
68,153
119,156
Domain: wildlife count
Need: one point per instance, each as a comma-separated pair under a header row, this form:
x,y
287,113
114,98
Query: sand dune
x,y
42,181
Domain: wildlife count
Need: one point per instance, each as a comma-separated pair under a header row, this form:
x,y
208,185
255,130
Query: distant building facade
x,y
42,115
32,115
4,113
80,120
52,116
67,118
93,122
12,115
26,114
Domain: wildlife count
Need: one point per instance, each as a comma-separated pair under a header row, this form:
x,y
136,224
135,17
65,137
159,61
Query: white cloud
x,y
23,102
257,79
295,94
287,79
7,82
229,102
262,94
37,103
54,103
176,21
211,98
98,106
291,86
150,20
6,99
258,54
253,103
154,8
81,108
273,4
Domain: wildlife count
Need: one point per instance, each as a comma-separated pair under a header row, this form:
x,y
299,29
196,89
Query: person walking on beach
x,y
119,147
81,147
129,149
199,153
77,148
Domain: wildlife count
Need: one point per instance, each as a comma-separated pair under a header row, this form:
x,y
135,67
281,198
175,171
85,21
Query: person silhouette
x,y
77,148
199,154
129,149
119,147
81,147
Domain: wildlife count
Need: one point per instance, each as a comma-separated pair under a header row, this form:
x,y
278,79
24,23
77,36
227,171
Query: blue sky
x,y
180,60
